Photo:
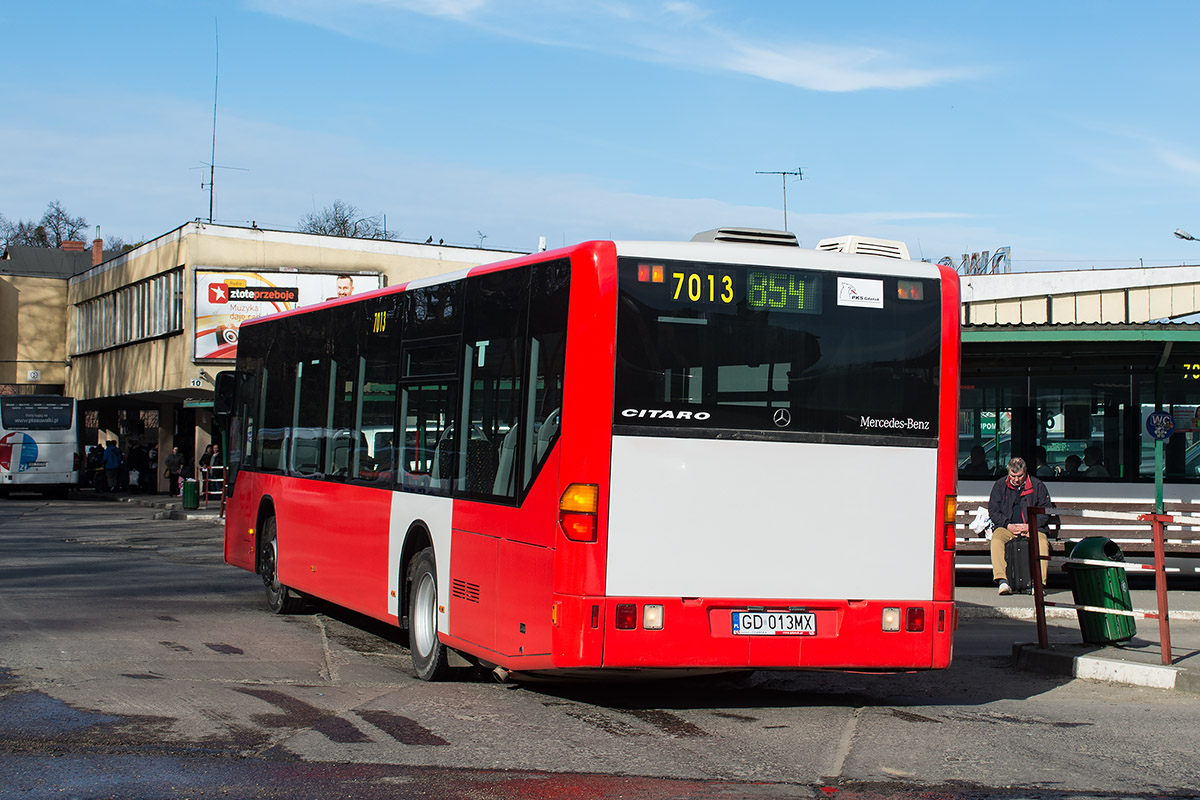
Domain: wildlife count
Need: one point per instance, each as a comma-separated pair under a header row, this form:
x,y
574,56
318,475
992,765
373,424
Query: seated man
x,y
1011,496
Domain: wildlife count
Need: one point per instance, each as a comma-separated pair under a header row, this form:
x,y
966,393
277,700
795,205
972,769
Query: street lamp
x,y
1180,233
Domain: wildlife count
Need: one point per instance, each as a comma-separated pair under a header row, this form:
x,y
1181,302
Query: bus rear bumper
x,y
773,634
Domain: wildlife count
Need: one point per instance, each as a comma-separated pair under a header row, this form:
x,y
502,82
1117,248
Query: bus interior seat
x,y
306,455
481,465
505,474
442,472
548,433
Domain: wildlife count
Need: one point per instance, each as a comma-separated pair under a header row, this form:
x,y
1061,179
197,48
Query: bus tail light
x,y
914,619
949,514
577,510
626,616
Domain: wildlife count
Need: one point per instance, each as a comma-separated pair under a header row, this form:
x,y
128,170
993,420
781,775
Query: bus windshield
x,y
706,348
36,413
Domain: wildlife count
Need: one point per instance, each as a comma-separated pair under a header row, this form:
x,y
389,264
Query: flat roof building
x,y
136,336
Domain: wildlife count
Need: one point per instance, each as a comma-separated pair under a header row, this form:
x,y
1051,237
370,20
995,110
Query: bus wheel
x,y
428,653
280,599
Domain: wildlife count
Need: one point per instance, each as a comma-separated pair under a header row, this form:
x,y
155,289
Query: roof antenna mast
x,y
216,75
798,172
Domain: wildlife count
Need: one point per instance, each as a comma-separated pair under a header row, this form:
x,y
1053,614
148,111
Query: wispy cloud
x,y
680,34
1179,161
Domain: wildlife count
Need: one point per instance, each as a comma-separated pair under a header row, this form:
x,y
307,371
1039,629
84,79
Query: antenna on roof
x,y
798,172
212,164
216,77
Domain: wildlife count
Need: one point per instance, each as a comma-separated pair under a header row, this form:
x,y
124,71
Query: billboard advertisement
x,y
224,300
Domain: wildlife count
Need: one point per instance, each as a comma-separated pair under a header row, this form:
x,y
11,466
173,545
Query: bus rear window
x,y
35,413
718,347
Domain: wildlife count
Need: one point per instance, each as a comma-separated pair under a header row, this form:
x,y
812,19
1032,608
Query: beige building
x,y
33,316
145,331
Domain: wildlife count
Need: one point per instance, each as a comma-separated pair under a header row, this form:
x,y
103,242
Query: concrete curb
x,y
167,509
1051,661
1021,613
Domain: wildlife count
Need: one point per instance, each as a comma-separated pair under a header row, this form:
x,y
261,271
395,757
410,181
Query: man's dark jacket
x,y
1007,505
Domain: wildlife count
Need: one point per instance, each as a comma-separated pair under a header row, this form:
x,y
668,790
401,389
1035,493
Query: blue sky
x,y
1067,131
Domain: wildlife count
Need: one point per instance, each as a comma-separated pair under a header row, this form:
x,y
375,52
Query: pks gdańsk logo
x,y
17,452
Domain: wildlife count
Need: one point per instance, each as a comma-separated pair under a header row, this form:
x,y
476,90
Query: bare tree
x,y
61,226
55,227
23,232
344,219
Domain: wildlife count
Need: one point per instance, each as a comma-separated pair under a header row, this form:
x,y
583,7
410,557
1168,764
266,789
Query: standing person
x,y
112,465
152,462
139,466
174,465
1010,499
95,466
206,461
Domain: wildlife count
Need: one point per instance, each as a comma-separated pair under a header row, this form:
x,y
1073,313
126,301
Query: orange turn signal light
x,y
577,509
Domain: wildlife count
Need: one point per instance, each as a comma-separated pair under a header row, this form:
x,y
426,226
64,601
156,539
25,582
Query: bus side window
x,y
310,414
493,377
275,400
343,437
548,303
374,460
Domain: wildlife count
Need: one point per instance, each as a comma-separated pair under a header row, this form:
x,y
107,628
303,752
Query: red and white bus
x,y
618,455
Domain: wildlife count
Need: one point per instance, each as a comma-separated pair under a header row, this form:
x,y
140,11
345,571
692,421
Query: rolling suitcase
x,y
1016,572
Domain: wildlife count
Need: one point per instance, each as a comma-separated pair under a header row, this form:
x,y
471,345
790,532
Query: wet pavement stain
x,y
402,729
177,647
672,725
227,649
36,713
598,719
909,716
143,676
299,714
167,618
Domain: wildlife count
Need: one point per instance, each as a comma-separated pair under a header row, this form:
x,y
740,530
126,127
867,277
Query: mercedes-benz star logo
x,y
783,418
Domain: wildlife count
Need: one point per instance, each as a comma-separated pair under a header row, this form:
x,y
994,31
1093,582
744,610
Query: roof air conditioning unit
x,y
865,246
747,236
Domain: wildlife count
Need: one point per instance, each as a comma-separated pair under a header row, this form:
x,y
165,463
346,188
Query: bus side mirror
x,y
224,393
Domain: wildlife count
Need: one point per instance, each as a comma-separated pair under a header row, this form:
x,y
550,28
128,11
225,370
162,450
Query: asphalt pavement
x,y
1137,661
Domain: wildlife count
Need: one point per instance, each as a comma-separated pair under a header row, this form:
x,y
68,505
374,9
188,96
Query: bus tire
x,y
280,599
428,653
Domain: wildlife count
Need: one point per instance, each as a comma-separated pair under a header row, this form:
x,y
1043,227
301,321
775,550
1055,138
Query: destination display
x,y
765,289
784,290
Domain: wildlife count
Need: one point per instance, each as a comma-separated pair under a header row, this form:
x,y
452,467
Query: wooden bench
x,y
1132,536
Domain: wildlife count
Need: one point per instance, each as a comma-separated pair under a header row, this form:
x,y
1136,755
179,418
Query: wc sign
x,y
1160,425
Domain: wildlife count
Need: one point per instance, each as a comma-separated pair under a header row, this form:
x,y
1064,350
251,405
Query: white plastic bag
x,y
982,523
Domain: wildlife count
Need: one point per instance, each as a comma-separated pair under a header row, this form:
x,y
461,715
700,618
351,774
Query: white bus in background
x,y
39,444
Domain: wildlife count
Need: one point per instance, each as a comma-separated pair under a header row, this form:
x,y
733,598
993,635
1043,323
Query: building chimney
x,y
97,248
72,246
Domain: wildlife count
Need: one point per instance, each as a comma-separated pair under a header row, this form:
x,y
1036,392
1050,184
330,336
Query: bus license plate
x,y
774,623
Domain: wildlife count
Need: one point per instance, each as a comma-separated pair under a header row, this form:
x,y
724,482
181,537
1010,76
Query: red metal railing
x,y
1162,614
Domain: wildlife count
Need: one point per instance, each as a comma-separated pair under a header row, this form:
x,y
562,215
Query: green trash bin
x,y
1101,587
191,493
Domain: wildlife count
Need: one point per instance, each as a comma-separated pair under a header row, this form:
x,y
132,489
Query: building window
x,y
144,310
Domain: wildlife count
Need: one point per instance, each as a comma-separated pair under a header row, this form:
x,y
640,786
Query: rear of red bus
x,y
781,485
